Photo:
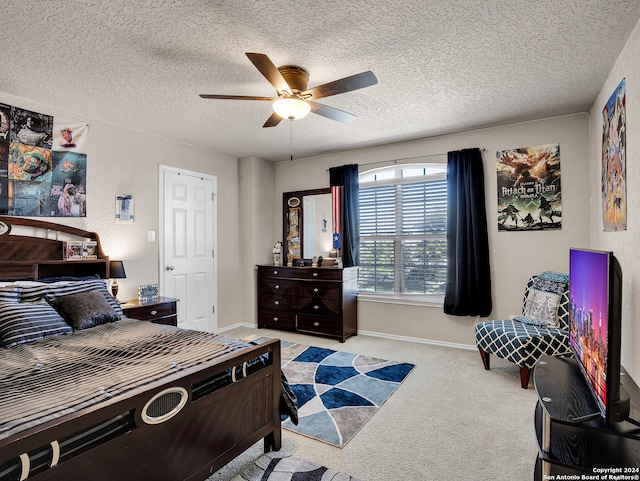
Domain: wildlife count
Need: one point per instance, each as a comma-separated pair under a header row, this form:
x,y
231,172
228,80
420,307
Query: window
x,y
403,245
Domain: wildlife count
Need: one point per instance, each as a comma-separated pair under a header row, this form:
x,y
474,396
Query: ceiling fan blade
x,y
270,71
347,84
273,120
332,113
236,97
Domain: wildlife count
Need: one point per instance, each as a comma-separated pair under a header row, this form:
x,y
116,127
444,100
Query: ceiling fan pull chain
x,y
291,138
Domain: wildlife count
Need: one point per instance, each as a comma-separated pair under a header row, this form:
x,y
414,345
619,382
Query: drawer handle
x,y
315,274
316,324
277,303
275,273
315,289
316,307
277,286
275,319
153,313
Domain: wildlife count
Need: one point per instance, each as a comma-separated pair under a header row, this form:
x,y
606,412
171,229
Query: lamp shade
x,y
116,270
291,108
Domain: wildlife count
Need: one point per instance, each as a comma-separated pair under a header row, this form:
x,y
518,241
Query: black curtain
x,y
468,290
346,177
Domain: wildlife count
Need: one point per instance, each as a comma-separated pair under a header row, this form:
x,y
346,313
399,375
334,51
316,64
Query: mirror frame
x,y
286,197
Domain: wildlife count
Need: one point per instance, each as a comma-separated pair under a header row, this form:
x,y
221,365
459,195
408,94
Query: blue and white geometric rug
x,y
337,392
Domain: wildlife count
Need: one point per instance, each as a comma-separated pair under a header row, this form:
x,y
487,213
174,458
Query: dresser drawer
x,y
276,271
319,324
277,319
320,306
161,311
155,311
320,289
276,303
277,287
327,274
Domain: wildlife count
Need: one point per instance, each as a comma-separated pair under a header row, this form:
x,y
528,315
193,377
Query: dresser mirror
x,y
308,225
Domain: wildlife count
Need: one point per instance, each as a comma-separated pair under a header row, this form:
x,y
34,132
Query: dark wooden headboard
x,y
32,249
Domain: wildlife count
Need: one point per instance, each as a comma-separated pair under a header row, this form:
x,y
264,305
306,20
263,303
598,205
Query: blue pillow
x,y
546,285
25,322
555,276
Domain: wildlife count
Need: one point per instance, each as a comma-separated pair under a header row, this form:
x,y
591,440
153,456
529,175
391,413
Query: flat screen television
x,y
595,293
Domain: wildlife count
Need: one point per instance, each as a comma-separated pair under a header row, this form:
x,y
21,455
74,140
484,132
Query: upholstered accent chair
x,y
543,327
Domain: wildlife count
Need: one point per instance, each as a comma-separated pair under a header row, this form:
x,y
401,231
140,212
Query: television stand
x,y
571,439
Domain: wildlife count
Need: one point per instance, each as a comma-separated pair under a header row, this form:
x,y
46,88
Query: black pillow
x,y
85,309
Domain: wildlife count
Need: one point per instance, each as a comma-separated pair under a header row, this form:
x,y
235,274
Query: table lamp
x,y
116,271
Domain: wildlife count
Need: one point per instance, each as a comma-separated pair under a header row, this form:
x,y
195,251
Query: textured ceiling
x,y
442,65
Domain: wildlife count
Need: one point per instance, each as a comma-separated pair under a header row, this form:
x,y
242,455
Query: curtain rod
x,y
408,158
395,161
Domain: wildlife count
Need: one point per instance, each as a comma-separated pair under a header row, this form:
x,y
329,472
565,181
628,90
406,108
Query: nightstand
x,y
162,310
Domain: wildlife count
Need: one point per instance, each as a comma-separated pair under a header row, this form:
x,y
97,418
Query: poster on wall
x,y
42,164
68,196
529,194
614,163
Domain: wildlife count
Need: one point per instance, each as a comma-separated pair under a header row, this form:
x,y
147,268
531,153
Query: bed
x,y
109,398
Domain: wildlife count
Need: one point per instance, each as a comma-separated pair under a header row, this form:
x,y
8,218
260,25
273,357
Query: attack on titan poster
x,y
529,196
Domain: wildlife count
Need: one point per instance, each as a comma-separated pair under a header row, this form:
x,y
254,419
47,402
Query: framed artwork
x,y
529,190
124,208
614,161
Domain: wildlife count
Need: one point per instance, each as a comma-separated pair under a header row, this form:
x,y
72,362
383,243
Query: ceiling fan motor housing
x,y
296,77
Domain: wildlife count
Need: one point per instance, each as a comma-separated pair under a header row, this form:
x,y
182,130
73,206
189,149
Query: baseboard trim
x,y
418,340
236,326
374,334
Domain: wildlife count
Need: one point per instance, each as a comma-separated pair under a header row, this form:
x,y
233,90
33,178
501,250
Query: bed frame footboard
x,y
165,432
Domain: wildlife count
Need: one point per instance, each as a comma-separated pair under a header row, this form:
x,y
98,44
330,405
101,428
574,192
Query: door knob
x,y
169,268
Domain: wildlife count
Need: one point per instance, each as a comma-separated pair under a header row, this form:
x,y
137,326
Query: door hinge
x,y
213,253
213,309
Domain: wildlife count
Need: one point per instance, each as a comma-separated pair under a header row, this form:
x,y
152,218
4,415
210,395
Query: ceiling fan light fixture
x,y
291,108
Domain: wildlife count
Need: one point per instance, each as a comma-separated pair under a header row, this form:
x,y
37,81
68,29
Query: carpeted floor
x,y
337,392
450,419
282,466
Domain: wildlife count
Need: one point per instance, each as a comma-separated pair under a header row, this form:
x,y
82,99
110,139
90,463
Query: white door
x,y
187,246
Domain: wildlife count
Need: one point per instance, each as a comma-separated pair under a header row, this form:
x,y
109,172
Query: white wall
x,y
624,244
124,161
257,200
514,255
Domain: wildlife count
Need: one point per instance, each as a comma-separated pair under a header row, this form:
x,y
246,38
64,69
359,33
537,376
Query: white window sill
x,y
424,301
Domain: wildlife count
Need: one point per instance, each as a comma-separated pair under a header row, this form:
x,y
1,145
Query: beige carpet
x,y
450,419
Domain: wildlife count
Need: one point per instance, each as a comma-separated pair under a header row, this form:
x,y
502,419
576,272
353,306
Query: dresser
x,y
161,310
318,301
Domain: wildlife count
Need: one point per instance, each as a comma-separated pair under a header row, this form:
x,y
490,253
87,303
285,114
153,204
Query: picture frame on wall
x,y
124,209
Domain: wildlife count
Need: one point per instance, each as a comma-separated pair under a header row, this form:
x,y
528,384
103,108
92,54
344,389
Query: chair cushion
x,y
522,344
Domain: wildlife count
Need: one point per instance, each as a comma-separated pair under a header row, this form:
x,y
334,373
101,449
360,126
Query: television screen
x,y
595,293
589,294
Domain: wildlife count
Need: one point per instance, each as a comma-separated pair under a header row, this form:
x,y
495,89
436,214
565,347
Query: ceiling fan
x,y
294,101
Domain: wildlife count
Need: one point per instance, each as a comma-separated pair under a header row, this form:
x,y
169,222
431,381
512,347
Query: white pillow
x,y
544,307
